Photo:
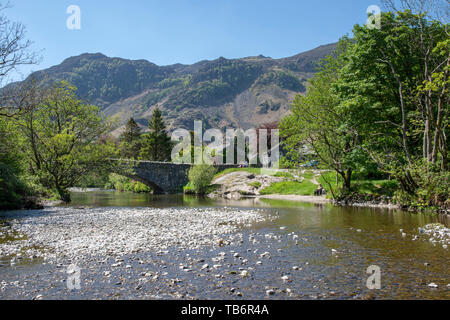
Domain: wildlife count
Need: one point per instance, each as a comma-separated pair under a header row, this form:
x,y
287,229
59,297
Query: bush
x,y
18,191
200,177
124,184
432,190
94,180
11,189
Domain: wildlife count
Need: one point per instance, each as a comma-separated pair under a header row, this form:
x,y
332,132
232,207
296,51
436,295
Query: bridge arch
x,y
162,177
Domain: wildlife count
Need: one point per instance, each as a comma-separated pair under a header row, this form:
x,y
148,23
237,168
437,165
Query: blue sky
x,y
185,31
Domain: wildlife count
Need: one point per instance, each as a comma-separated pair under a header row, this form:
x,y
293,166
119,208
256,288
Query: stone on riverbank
x,y
114,231
235,185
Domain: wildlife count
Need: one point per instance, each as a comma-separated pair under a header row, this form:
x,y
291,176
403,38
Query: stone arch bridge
x,y
162,177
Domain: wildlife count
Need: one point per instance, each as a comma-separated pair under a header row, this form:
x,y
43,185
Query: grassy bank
x,y
305,182
304,188
231,170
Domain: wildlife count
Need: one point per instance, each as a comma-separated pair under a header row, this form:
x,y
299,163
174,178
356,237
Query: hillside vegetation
x,y
223,92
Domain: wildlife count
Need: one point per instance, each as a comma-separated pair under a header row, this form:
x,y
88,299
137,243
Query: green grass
x,y
279,174
282,174
284,188
329,177
376,187
372,187
255,184
308,175
227,171
305,188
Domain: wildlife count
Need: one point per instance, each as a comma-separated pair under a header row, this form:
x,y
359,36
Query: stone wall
x,y
163,177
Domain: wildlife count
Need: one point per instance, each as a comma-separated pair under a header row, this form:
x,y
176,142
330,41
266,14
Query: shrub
x,y
121,183
255,184
10,189
94,180
200,177
432,188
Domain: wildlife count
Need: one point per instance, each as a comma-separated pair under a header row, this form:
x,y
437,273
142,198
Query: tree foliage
x,y
200,177
395,91
12,168
382,100
62,139
318,120
157,145
130,141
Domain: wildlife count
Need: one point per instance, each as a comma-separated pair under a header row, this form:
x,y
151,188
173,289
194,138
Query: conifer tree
x,y
157,145
130,140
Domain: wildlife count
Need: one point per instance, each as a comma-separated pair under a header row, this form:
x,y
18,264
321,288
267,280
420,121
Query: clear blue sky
x,y
185,31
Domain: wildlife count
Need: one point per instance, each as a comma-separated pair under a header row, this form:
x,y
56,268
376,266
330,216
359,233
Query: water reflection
x,y
300,214
360,236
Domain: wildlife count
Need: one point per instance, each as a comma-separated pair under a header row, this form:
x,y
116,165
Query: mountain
x,y
223,93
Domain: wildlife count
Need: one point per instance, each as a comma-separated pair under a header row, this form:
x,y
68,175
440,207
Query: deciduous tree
x,y
63,139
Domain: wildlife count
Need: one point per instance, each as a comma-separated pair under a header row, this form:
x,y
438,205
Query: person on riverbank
x,y
320,191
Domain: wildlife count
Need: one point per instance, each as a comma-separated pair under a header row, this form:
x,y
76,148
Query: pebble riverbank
x,y
215,253
77,233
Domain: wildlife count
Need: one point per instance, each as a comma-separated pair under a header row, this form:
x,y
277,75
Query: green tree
x,y
62,139
13,188
394,89
130,140
157,145
200,177
318,120
15,99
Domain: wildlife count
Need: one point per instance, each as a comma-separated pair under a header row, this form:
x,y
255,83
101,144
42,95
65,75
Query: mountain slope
x,y
224,92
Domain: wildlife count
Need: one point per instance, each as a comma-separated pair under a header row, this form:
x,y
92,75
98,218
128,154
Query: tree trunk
x,y
425,141
404,128
402,109
429,115
410,182
443,144
440,111
348,179
64,195
437,134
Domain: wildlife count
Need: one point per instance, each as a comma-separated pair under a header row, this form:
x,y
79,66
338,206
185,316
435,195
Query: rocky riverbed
x,y
312,252
77,233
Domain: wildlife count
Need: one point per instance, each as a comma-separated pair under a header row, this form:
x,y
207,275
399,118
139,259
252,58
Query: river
x,y
296,251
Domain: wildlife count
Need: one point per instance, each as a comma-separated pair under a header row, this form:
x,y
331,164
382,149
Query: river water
x,y
303,251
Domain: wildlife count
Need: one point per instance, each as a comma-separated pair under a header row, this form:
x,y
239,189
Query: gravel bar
x,y
77,233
